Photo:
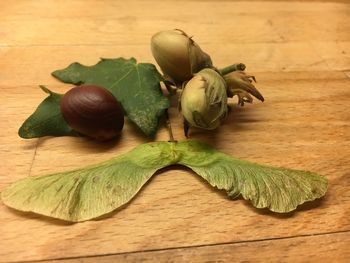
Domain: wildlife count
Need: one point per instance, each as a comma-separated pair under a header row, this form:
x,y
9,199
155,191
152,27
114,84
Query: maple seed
x,y
178,55
93,111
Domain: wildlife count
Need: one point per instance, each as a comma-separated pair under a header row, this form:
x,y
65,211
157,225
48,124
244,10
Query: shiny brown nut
x,y
93,111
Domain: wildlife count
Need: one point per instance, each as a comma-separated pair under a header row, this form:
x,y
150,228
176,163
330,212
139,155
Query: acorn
x,y
93,111
178,55
203,100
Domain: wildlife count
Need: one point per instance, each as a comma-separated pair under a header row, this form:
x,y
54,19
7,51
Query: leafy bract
x,y
47,120
136,87
96,190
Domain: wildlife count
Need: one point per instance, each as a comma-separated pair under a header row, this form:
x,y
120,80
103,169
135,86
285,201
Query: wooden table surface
x,y
300,53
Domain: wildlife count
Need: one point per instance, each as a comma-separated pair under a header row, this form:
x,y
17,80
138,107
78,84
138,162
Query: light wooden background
x,y
300,54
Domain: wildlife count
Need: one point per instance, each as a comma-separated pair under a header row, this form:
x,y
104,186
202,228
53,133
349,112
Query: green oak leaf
x,y
99,189
135,85
47,120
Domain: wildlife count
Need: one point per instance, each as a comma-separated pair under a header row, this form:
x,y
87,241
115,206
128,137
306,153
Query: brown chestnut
x,y
93,111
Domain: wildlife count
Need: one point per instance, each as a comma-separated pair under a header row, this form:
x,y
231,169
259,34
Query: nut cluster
x,y
95,112
205,89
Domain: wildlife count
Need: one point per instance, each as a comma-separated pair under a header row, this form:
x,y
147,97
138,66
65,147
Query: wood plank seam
x,y
33,159
346,73
196,246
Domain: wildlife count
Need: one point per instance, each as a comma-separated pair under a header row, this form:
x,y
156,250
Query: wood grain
x,y
324,248
302,63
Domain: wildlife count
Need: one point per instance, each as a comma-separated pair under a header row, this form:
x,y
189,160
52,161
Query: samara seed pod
x,y
93,111
203,100
178,55
241,84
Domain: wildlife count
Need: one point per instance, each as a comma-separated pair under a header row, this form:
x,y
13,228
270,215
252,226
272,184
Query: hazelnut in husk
x,y
93,111
204,100
178,55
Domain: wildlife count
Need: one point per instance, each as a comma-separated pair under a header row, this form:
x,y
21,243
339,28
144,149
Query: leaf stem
x,y
171,136
231,68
